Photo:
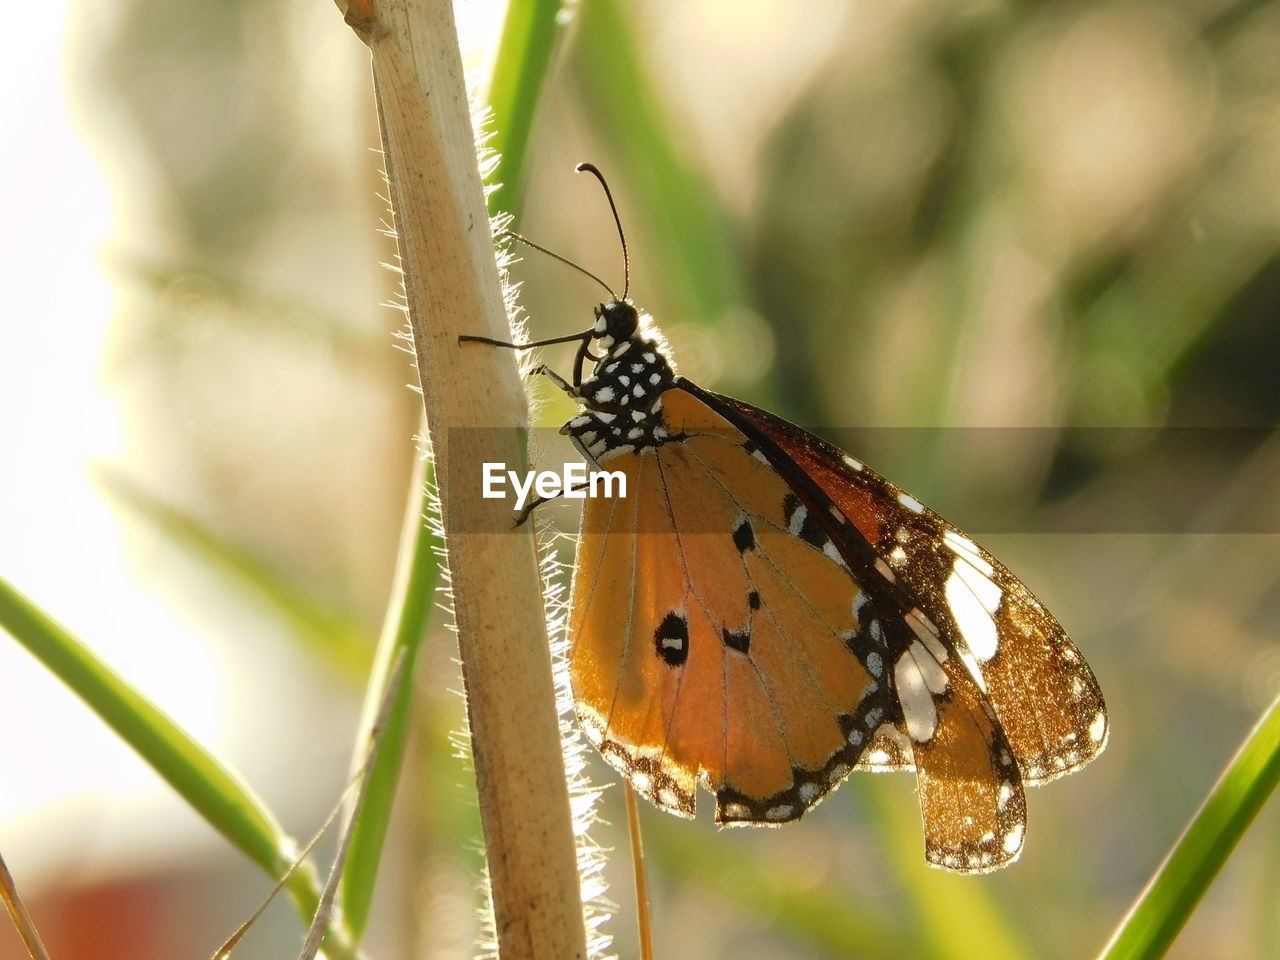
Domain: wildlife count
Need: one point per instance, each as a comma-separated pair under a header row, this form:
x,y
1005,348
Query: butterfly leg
x,y
555,378
523,516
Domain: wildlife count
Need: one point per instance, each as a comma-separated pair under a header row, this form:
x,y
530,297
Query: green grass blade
x,y
1164,907
214,791
528,41
406,624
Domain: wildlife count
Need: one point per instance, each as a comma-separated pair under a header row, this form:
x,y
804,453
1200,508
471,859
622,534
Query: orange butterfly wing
x,y
708,642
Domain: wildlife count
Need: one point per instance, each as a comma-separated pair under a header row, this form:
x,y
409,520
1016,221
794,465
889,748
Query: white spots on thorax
x,y
911,503
604,395
852,463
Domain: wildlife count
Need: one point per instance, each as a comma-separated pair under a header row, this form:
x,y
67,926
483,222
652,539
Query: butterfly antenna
x,y
626,259
577,266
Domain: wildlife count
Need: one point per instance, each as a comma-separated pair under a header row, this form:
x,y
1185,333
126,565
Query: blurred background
x,y
1021,258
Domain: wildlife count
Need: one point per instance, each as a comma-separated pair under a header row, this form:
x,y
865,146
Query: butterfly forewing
x,y
712,642
1044,694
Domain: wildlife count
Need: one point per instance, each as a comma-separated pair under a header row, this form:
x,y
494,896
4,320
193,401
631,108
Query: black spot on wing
x,y
753,598
671,639
737,640
744,538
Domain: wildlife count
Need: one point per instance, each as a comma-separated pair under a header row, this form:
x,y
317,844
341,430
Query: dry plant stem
x,y
452,287
643,921
18,912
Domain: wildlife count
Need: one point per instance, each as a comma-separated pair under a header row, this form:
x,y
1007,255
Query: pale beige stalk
x,y
452,286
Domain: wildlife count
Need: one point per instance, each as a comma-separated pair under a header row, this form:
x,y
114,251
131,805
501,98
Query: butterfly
x,y
763,614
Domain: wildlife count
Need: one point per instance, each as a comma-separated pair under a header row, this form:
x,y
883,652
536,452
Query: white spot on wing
x,y
971,615
797,520
856,465
962,546
1005,795
1098,729
935,678
911,503
918,709
1013,840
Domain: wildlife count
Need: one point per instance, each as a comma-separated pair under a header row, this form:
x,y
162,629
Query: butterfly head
x,y
616,321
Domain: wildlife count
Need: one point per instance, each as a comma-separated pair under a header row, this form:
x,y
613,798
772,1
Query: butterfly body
x,y
762,615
